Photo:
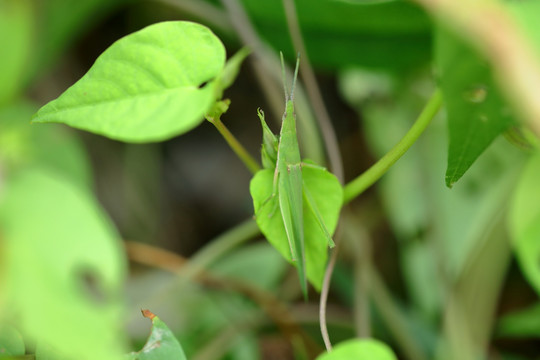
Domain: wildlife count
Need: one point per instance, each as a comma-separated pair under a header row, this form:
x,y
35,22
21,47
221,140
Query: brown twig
x,y
162,259
324,297
153,256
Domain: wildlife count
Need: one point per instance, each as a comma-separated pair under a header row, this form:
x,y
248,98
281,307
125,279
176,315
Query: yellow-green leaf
x,y
148,86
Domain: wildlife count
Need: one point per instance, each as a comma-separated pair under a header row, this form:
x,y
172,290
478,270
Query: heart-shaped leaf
x,y
327,194
360,349
148,86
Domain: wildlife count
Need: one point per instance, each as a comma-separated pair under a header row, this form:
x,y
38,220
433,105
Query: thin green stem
x,y
220,246
394,318
205,257
375,172
235,145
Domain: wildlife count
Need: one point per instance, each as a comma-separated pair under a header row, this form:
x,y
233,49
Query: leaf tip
x,y
148,314
34,118
451,178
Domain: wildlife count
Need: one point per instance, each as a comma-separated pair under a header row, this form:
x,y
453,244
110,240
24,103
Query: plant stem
x,y
368,178
359,242
375,172
269,303
394,318
218,347
324,297
199,262
235,145
220,246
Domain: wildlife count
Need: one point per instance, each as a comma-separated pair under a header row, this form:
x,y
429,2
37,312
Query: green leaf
x,y
524,221
477,113
11,341
55,147
360,349
258,264
148,86
59,23
270,145
16,26
161,344
344,34
328,196
63,267
46,352
231,70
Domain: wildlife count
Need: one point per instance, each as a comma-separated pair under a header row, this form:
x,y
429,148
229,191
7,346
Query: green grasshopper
x,y
288,185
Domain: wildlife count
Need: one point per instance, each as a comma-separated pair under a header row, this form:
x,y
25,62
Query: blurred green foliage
x,y
435,273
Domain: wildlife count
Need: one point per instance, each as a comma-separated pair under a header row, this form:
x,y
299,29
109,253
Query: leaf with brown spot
x,y
477,112
161,344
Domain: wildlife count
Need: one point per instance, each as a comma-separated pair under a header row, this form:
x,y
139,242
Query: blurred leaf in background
x,y
476,111
23,145
58,24
63,267
339,34
439,232
33,35
17,26
11,341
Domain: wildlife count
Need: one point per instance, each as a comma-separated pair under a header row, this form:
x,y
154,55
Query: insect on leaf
x,y
296,202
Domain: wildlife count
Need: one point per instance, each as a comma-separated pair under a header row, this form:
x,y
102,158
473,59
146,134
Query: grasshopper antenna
x,y
295,75
287,95
283,77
